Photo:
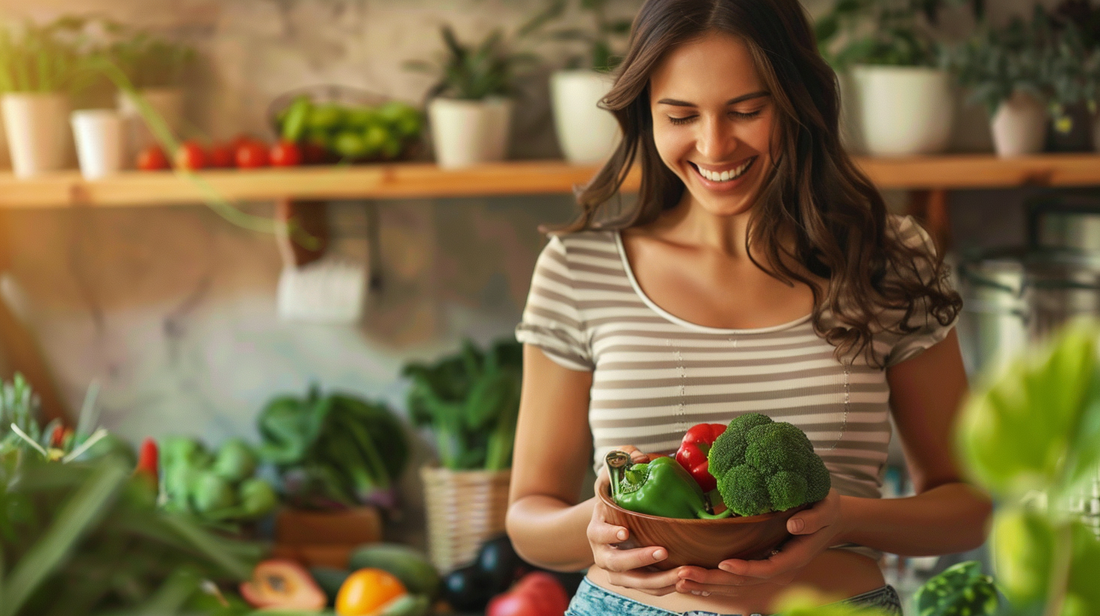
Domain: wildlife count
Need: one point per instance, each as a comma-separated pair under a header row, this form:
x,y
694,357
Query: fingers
x,y
793,555
636,456
658,583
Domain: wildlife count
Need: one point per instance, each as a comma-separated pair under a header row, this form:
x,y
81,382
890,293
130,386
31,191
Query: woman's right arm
x,y
547,524
552,453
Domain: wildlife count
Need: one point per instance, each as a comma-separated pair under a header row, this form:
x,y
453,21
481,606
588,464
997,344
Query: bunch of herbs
x,y
603,35
49,58
470,402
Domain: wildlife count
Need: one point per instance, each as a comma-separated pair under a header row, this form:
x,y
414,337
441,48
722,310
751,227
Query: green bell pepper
x,y
660,487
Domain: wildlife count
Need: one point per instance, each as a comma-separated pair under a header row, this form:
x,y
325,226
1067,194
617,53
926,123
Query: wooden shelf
x,y
420,180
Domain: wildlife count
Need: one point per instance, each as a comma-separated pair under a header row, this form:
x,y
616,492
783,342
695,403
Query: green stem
x,y
1059,572
703,515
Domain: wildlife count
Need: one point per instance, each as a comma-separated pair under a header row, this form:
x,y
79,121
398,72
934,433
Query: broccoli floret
x,y
778,446
729,448
763,466
786,490
745,491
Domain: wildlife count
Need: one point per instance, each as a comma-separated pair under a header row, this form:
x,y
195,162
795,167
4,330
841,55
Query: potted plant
x,y
586,133
40,67
1074,74
897,101
1007,70
155,69
470,105
470,402
339,458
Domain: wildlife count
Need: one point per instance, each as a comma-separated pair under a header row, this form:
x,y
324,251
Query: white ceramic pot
x,y
166,103
1019,126
466,133
586,133
904,110
38,132
99,142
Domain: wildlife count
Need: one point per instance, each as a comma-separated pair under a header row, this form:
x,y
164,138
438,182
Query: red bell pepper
x,y
693,451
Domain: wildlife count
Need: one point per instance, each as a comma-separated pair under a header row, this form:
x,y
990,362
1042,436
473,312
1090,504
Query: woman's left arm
x,y
946,515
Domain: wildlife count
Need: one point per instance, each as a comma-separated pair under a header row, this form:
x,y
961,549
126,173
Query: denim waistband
x,y
593,600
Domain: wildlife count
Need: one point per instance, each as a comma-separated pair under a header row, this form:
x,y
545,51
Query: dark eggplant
x,y
468,588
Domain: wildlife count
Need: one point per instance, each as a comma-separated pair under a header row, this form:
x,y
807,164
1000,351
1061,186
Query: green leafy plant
x,y
93,530
334,451
147,60
474,72
601,37
470,401
1073,72
883,32
50,58
995,63
1030,435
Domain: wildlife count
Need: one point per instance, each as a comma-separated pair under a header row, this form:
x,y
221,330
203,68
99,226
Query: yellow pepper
x,y
367,591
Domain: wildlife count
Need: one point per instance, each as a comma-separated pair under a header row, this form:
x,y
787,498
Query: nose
x,y
716,139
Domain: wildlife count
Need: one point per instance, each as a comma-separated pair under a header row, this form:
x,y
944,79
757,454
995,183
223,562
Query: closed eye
x,y
736,114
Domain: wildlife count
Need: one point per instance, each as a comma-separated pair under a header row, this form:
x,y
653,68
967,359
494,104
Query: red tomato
x,y
190,156
251,155
313,154
152,158
221,156
286,154
536,594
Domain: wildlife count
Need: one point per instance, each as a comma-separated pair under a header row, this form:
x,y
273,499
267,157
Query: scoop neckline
x,y
685,323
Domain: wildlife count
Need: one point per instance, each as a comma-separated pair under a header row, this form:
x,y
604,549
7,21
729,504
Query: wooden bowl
x,y
702,543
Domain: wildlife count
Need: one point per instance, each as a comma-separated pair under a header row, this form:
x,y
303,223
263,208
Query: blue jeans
x,y
592,600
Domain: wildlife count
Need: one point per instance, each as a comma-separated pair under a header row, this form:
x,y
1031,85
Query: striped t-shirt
x,y
655,375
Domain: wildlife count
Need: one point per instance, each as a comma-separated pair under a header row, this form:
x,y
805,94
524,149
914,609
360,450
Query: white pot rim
x,y
33,95
915,70
488,100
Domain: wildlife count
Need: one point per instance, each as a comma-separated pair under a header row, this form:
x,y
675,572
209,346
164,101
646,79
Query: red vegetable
x,y
286,154
251,154
147,463
152,158
190,156
221,156
282,584
536,594
693,451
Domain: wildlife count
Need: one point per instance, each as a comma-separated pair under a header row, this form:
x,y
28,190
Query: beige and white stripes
x,y
656,375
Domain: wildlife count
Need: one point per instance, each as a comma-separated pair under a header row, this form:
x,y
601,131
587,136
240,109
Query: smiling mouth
x,y
725,176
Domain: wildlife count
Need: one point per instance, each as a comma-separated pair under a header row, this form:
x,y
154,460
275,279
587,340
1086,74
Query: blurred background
x,y
178,316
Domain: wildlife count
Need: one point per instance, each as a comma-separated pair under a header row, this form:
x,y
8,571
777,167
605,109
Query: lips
x,y
727,175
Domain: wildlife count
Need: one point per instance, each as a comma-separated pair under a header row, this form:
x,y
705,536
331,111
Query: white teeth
x,y
724,176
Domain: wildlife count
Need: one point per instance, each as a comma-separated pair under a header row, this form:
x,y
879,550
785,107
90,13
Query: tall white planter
x,y
39,138
1019,126
167,103
466,133
904,110
586,133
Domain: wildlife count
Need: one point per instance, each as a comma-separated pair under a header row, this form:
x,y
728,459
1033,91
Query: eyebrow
x,y
732,101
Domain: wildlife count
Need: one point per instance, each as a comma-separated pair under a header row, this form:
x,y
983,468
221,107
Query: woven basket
x,y
464,509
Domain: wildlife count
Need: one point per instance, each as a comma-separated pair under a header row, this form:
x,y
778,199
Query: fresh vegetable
x,y
410,566
251,155
152,158
350,132
334,450
147,468
235,461
761,465
537,594
285,154
961,590
470,400
294,122
499,560
368,591
190,155
660,487
468,588
692,454
220,156
278,583
330,580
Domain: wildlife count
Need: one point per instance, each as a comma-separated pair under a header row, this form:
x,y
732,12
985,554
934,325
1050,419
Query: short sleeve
x,y
551,319
929,330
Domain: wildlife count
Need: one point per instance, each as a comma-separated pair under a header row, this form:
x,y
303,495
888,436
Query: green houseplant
x,y
41,66
896,100
469,401
586,133
1075,76
470,104
1008,70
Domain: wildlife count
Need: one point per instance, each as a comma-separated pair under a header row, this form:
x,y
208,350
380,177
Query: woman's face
x,y
713,121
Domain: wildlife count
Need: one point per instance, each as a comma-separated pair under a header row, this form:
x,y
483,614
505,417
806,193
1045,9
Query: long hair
x,y
814,192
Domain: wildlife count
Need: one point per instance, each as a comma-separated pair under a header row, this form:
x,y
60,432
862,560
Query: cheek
x,y
671,145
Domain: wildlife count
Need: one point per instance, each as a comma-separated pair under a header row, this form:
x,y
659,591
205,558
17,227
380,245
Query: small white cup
x,y
99,142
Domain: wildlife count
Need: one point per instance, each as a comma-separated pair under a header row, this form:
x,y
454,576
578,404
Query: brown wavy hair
x,y
814,193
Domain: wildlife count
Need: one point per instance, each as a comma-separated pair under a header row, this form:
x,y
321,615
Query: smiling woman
x,y
758,272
